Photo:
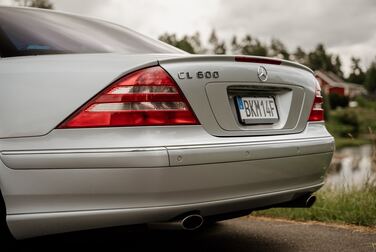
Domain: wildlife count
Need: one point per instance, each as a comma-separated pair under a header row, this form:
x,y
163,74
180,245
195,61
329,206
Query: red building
x,y
332,84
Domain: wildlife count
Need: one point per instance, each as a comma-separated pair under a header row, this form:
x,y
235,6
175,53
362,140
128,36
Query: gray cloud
x,y
335,22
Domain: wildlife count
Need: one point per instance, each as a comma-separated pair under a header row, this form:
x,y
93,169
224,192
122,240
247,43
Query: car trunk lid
x,y
217,87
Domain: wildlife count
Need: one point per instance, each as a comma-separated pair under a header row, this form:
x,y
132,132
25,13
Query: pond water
x,y
352,168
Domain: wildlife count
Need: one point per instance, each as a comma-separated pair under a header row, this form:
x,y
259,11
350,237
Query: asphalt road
x,y
252,234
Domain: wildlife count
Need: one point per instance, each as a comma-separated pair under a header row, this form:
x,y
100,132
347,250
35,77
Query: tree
x,y
251,46
357,75
182,44
190,44
195,41
337,66
43,4
217,47
300,56
319,59
278,49
370,79
235,46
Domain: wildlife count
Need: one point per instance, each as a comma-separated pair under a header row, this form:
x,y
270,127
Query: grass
x,y
346,207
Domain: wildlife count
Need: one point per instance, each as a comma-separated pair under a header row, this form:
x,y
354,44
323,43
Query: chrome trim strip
x,y
86,159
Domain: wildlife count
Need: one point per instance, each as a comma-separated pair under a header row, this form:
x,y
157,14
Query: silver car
x,y
101,126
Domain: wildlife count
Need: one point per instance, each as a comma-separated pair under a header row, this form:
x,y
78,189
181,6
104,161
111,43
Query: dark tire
x,y
5,235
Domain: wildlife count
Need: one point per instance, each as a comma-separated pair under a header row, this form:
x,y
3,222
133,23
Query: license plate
x,y
257,110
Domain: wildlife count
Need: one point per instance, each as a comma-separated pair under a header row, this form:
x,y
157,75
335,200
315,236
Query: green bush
x,y
347,116
362,101
342,130
326,106
336,100
365,102
352,126
346,122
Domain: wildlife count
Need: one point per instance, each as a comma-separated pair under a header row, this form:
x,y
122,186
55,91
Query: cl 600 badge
x,y
199,75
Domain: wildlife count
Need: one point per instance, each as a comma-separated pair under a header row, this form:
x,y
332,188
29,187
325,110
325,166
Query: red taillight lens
x,y
317,112
146,97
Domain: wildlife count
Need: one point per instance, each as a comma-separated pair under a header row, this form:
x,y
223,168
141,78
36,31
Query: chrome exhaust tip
x,y
189,222
310,201
192,222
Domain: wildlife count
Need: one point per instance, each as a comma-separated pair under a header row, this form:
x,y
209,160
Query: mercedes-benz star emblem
x,y
262,73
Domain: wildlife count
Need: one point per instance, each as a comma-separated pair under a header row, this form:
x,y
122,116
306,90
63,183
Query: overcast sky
x,y
346,27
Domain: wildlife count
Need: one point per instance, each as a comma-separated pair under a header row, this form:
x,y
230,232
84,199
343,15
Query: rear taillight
x,y
317,112
146,97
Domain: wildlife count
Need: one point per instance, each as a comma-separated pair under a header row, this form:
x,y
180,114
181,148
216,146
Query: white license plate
x,y
257,110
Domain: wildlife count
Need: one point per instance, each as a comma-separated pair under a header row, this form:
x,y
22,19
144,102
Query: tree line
x,y
43,4
317,59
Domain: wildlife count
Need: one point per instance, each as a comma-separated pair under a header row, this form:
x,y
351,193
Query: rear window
x,y
34,32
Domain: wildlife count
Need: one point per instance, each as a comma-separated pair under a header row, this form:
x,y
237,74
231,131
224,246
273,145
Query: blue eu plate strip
x,y
240,102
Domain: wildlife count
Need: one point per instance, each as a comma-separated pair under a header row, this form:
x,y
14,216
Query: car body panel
x,y
56,180
193,168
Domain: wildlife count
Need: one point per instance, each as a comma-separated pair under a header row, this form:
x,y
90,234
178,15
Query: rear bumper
x,y
24,225
69,188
